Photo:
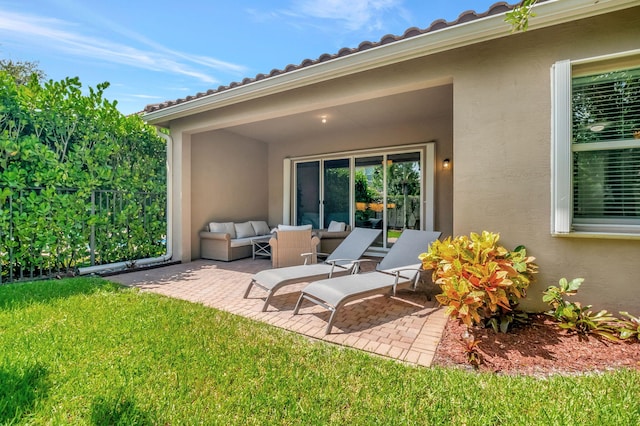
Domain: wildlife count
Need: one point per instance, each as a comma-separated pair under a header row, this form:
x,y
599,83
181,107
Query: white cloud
x,y
60,35
141,96
355,14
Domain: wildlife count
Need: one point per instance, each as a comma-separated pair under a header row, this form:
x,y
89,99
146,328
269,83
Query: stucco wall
x,y
229,181
502,146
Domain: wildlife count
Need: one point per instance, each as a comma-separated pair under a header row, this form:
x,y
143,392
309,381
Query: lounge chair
x,y
399,267
343,260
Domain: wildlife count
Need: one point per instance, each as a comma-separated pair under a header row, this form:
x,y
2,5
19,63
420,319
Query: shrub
x,y
73,169
574,317
481,281
629,327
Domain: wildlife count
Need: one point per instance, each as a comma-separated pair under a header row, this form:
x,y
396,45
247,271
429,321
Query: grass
x,y
85,351
393,233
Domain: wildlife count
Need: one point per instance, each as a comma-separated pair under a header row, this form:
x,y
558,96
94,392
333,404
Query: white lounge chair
x,y
399,267
345,259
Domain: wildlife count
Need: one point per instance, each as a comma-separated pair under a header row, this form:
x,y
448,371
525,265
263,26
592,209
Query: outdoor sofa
x,y
231,240
332,236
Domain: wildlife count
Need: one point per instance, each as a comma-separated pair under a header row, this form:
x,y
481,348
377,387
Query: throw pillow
x,y
260,226
224,227
336,226
244,230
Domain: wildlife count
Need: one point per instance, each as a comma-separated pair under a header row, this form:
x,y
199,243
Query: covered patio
x,y
407,327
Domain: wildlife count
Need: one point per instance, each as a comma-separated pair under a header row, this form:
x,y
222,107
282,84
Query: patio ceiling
x,y
402,109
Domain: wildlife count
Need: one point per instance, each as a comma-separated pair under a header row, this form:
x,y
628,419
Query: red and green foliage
x,y
469,343
481,281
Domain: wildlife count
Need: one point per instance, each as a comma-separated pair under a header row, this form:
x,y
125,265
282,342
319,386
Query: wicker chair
x,y
287,248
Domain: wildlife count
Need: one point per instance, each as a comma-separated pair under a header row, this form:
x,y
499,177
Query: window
x,y
596,164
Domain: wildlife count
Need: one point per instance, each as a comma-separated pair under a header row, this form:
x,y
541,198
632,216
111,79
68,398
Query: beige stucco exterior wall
x,y
502,147
497,131
229,181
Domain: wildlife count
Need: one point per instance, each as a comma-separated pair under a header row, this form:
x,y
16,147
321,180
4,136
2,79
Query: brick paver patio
x,y
407,327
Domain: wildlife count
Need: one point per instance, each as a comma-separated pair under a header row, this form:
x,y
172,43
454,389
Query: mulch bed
x,y
538,349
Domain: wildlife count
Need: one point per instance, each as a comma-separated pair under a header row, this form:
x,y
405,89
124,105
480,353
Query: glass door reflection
x,y
308,193
369,194
336,184
403,193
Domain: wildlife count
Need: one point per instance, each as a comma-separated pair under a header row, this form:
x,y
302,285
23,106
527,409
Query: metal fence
x,y
48,232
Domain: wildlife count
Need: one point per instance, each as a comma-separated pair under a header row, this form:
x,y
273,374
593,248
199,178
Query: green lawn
x,y
84,351
393,234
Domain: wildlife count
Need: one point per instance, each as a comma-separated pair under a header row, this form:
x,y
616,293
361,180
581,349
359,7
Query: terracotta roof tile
x,y
436,25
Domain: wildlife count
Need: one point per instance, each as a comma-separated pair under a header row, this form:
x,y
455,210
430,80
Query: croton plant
x,y
481,281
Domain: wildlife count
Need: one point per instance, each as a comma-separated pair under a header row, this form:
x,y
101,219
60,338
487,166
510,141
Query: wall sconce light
x,y
446,163
323,119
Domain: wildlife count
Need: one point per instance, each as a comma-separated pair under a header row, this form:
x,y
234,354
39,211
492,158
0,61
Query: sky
x,y
154,51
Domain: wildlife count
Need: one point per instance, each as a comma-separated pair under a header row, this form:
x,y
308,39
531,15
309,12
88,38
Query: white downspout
x,y
111,267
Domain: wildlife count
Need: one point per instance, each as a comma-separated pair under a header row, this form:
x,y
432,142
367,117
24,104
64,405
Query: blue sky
x,y
152,51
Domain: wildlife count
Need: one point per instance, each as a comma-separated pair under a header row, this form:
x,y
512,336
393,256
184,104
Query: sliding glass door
x,y
308,193
403,194
382,190
319,201
369,192
387,193
336,188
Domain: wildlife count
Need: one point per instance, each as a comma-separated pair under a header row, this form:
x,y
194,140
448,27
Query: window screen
x,y
606,148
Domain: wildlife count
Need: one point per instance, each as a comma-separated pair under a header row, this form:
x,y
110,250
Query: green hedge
x,y
80,183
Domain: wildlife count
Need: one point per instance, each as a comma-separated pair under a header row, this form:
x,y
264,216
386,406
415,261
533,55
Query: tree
x,y
364,194
519,16
21,71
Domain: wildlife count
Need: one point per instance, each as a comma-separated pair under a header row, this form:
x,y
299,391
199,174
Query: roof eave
x,y
548,13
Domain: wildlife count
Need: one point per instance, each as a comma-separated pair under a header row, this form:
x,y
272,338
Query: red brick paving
x,y
407,327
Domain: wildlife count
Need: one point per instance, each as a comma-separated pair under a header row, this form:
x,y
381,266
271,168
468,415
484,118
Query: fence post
x,y
92,237
10,237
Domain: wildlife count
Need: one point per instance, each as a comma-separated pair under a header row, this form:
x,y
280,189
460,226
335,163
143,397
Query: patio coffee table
x,y
260,247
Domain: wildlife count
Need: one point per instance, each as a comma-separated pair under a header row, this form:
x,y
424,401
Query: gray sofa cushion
x,y
260,227
224,227
244,230
240,242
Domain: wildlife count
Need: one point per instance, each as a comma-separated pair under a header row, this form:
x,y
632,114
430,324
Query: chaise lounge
x,y
343,260
399,267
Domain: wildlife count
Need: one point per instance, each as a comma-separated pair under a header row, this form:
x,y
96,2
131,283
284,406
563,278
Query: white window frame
x,y
561,158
